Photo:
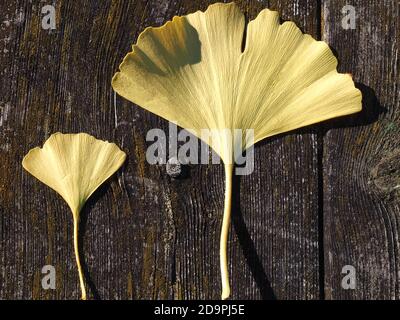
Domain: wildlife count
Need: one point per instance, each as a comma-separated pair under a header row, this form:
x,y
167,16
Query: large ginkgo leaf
x,y
74,165
193,71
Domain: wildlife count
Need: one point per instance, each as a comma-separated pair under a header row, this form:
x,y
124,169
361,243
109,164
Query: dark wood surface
x,y
362,156
319,198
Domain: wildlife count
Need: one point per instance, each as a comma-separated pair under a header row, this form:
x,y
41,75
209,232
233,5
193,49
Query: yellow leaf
x,y
74,165
192,71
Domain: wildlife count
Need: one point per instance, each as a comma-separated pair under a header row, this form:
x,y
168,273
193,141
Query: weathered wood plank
x,y
279,204
361,162
258,258
145,236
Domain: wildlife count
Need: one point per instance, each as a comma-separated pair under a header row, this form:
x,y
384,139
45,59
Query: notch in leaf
x,y
192,70
74,165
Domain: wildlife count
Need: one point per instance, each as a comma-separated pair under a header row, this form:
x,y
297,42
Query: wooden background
x,y
320,198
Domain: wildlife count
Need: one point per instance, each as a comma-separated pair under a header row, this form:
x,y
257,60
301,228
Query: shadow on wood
x,y
99,193
371,110
370,113
247,244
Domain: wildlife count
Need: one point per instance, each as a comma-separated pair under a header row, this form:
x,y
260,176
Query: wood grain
x,y
144,235
361,155
148,236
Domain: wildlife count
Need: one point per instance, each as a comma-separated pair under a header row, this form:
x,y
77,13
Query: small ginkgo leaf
x,y
193,71
74,165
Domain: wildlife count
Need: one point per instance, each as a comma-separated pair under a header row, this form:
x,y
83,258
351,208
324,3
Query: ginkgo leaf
x,y
74,165
193,71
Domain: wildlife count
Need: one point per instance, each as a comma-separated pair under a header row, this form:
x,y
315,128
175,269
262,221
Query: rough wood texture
x,y
147,236
362,158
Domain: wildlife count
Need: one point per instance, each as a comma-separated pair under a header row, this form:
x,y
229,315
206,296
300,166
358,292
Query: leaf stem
x,y
226,221
78,262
